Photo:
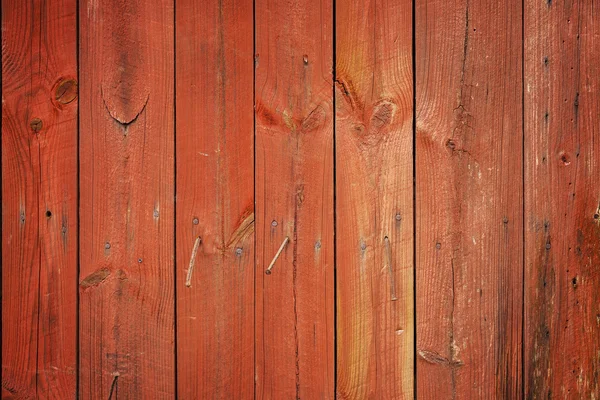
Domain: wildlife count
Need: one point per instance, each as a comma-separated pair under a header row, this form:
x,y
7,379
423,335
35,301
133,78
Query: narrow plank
x,y
374,197
469,241
39,199
294,199
562,153
215,199
127,199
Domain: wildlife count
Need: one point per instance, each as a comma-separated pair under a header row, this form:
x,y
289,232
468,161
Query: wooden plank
x,y
374,197
469,242
215,199
127,199
39,199
294,199
562,153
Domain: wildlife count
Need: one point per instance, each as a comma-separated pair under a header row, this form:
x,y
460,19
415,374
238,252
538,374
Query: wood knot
x,y
95,278
36,125
314,120
383,114
433,357
266,116
66,91
564,158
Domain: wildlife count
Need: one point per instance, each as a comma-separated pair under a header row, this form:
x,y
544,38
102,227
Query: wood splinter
x,y
388,252
188,280
285,241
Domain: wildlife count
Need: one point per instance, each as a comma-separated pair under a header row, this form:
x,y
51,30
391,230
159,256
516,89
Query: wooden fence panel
x,y
469,199
294,199
562,223
39,199
127,199
374,199
215,199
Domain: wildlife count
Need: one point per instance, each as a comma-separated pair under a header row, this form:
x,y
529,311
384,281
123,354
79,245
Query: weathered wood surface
x,y
562,223
215,199
469,202
294,199
374,199
126,51
39,199
472,167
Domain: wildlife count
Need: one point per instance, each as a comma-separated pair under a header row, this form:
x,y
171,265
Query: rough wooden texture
x,y
562,153
374,197
469,242
215,199
39,199
127,199
294,198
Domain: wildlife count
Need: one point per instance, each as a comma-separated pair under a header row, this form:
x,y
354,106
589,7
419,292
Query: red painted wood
x,y
374,114
562,149
127,199
469,201
39,199
294,199
215,199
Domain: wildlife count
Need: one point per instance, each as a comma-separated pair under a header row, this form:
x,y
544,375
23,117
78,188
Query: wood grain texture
x,y
215,199
39,199
126,199
469,242
562,197
374,198
294,198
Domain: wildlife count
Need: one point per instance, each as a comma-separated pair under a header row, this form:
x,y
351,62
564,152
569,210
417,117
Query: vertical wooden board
x,y
39,199
294,199
126,199
374,198
469,243
215,199
562,226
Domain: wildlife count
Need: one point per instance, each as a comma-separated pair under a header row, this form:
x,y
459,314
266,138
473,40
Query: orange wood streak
x,y
374,102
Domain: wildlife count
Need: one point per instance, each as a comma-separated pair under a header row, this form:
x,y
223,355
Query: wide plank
x,y
294,199
374,200
39,199
562,222
126,320
215,199
469,199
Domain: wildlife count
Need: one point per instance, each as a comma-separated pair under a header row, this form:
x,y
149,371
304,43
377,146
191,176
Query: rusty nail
x,y
285,241
188,280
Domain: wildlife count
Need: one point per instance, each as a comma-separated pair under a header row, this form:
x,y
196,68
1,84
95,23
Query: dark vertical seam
x,y
175,360
39,242
78,205
1,181
414,197
253,61
523,210
334,77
